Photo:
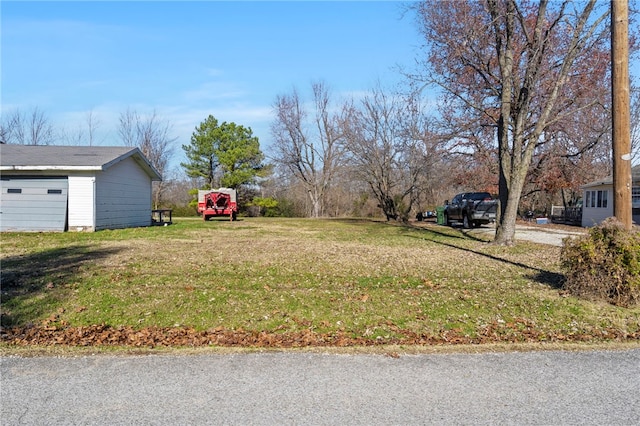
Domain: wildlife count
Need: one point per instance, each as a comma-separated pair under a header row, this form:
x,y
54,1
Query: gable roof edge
x,y
139,158
635,179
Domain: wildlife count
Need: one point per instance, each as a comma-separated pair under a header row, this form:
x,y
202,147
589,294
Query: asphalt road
x,y
531,388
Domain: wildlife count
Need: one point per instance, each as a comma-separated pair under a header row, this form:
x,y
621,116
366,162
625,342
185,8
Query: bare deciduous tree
x,y
152,136
72,137
388,142
310,148
92,126
82,135
127,129
516,66
572,152
31,128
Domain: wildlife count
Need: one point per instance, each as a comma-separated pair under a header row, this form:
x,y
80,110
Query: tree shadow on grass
x,y
459,232
33,284
542,276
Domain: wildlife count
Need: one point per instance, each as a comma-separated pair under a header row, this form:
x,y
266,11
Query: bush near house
x,y
605,264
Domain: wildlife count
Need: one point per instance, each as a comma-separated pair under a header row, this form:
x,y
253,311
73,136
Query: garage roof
x,y
48,157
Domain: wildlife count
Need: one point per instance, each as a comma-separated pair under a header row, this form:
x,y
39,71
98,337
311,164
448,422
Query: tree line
x,y
507,96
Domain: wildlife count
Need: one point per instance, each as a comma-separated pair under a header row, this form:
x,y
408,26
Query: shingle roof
x,y
635,178
49,157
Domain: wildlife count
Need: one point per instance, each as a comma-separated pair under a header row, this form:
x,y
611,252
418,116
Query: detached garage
x,y
58,188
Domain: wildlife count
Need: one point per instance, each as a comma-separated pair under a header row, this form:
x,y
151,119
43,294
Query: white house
x,y
597,199
77,188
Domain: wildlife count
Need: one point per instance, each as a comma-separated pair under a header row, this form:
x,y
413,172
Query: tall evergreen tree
x,y
239,156
223,154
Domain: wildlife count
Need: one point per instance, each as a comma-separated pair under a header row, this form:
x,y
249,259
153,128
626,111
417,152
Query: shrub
x,y
183,210
605,264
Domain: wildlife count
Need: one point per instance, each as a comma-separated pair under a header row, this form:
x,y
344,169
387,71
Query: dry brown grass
x,y
359,279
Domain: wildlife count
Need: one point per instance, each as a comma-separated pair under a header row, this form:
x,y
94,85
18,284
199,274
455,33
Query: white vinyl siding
x,y
123,196
597,206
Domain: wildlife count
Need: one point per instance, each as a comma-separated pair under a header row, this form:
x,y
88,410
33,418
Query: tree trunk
x,y
506,226
316,203
513,173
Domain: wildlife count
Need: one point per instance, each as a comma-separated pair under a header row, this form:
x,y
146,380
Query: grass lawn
x,y
366,280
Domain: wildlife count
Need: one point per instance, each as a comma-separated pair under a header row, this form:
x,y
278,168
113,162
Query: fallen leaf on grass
x,y
104,335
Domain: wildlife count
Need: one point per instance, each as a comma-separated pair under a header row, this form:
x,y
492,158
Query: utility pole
x,y
621,133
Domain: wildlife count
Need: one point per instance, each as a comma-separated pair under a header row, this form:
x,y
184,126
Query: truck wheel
x,y
446,220
466,222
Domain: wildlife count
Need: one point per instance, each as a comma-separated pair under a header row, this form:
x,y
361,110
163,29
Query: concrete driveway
x,y
543,234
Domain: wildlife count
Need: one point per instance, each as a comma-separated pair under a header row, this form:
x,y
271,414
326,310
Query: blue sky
x,y
186,60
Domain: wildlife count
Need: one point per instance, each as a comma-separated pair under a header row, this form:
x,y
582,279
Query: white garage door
x,y
33,203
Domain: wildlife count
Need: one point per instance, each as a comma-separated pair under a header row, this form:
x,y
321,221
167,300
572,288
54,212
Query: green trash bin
x,y
440,215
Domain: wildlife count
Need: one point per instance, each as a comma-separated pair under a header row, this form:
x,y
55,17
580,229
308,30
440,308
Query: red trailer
x,y
217,202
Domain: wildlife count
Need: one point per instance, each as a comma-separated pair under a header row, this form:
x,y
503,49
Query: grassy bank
x,y
361,279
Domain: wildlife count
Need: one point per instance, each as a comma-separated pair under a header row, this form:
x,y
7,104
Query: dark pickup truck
x,y
471,208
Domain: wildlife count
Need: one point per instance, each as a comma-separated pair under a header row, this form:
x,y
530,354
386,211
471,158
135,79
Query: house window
x,y
14,191
597,199
635,197
602,199
54,191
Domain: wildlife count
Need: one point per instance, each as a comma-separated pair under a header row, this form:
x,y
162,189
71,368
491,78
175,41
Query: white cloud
x,y
214,91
